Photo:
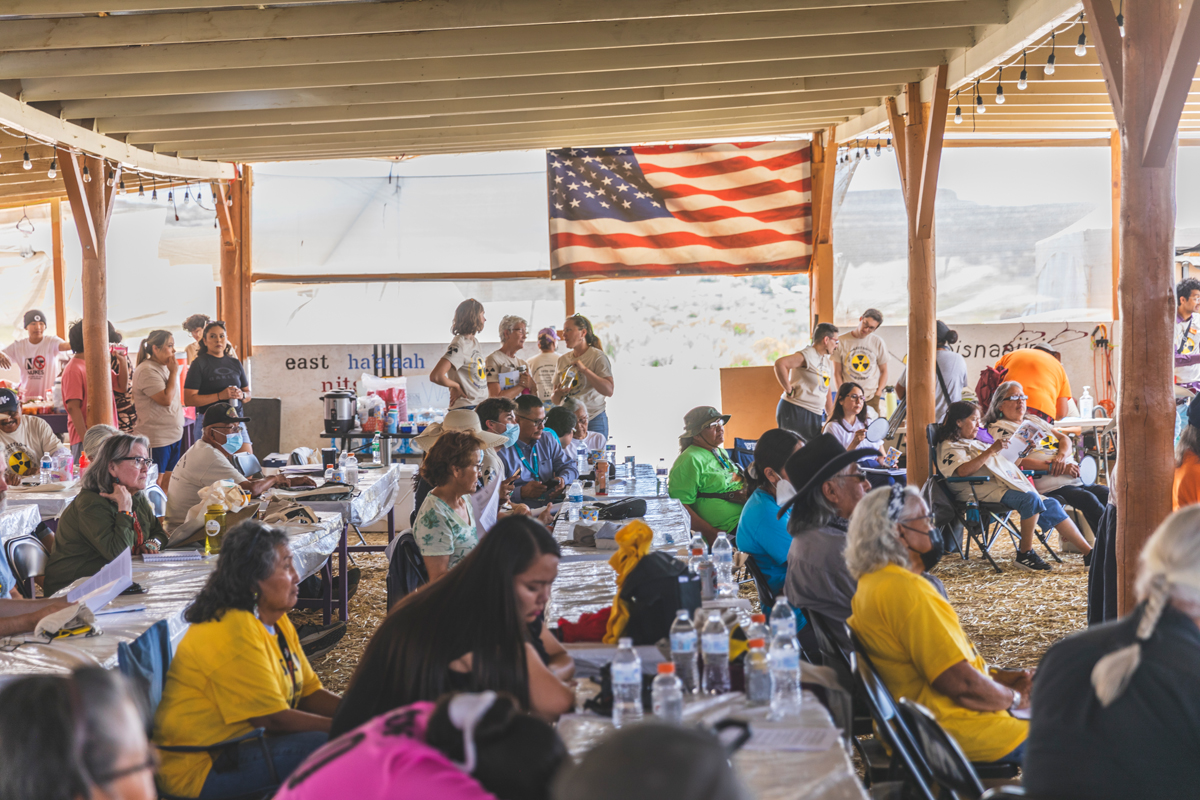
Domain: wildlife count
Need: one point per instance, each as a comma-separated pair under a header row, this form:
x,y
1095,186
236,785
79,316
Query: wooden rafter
x,y
935,129
1178,73
1107,37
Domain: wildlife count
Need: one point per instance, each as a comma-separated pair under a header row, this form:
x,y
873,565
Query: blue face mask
x,y
233,443
511,431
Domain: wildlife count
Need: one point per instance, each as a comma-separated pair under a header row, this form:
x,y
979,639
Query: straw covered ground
x,y
1013,617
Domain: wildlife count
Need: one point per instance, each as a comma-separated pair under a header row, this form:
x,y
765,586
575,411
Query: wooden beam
x,y
1162,123
935,130
820,28
72,173
1146,397
59,266
397,277
569,296
1106,35
305,74
1114,144
824,169
229,224
99,409
246,260
899,140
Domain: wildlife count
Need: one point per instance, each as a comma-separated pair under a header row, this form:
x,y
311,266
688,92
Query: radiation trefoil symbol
x,y
860,363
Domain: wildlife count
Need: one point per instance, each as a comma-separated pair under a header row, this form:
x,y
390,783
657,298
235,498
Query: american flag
x,y
679,209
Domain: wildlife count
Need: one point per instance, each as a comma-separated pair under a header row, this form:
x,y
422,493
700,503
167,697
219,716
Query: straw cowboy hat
x,y
461,420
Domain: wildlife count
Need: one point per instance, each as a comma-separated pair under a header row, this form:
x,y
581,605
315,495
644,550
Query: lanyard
x,y
722,459
289,663
533,470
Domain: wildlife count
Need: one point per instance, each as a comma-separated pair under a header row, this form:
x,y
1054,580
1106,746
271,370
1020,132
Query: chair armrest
x,y
257,733
972,479
1036,473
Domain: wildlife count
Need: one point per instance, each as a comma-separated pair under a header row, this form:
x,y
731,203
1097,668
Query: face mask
x,y
233,443
784,491
511,431
931,557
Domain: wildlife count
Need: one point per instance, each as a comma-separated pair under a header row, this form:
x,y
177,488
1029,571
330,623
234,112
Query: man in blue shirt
x,y
543,468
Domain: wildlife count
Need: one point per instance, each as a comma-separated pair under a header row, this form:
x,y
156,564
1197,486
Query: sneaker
x,y
317,640
1031,561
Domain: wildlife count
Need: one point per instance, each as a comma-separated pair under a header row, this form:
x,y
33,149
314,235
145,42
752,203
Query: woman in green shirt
x,y
704,478
109,515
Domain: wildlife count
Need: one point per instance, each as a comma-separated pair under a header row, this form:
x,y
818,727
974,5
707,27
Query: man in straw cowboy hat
x,y
704,478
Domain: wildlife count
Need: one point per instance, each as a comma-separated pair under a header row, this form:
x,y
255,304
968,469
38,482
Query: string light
x,y
1081,45
957,110
1121,19
26,163
141,188
979,106
1050,60
87,176
112,176
170,196
121,185
878,149
889,144
153,190
1000,87
1023,81
52,173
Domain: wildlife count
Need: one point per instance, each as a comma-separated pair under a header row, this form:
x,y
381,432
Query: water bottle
x,y
610,455
715,642
662,475
574,501
758,628
393,418
684,652
341,461
783,619
47,467
785,677
699,552
329,471
352,469
376,448
722,556
630,462
1086,404
667,695
758,673
626,684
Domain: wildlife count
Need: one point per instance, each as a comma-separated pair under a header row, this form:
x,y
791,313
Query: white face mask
x,y
784,491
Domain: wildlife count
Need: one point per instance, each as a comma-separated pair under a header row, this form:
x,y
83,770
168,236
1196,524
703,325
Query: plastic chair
x,y
766,598
157,498
27,558
947,762
145,661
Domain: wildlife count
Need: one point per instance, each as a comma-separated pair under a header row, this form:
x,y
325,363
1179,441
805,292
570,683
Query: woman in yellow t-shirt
x,y
240,667
914,637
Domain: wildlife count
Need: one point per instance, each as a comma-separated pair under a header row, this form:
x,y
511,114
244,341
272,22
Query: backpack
x,y
655,590
406,569
989,379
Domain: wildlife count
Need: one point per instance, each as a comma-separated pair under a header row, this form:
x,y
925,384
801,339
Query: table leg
x,y
344,591
327,610
391,524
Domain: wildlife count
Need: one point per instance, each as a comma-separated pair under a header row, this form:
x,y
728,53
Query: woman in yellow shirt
x,y
240,667
914,637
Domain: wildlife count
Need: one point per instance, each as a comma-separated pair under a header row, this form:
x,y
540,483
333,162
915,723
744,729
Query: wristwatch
x,y
1016,701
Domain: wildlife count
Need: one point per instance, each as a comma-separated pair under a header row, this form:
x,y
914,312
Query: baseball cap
x,y
219,413
550,333
9,402
33,315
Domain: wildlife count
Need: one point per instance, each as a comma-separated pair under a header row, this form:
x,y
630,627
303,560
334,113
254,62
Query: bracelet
x,y
128,514
1016,701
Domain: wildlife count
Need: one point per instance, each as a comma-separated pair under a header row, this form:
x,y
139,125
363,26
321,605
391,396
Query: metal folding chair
x,y
947,762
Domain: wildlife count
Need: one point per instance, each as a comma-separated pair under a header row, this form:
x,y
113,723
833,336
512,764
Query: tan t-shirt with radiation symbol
x,y
809,386
580,387
862,359
466,356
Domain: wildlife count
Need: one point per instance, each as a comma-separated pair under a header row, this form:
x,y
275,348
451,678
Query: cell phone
x,y
134,588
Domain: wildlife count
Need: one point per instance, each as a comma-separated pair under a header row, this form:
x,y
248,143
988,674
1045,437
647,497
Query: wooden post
x,y
233,298
821,179
569,296
245,260
1146,410
59,267
1115,171
91,205
921,160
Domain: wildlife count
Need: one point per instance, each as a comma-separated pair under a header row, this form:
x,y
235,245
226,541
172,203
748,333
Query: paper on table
x,y
100,589
792,739
508,380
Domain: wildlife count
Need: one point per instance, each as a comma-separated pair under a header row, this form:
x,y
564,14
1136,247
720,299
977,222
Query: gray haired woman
x,y
1119,702
507,375
110,514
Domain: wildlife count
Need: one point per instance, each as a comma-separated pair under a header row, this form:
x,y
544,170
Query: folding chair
x,y
841,661
947,762
743,452
145,661
766,598
27,557
907,763
406,568
982,522
157,498
247,464
1006,793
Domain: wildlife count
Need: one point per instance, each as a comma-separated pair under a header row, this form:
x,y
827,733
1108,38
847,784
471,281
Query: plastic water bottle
x,y
758,673
758,628
47,467
785,677
626,684
351,469
630,462
698,551
376,448
715,642
574,501
684,652
783,619
329,472
662,476
1086,404
667,695
341,460
722,556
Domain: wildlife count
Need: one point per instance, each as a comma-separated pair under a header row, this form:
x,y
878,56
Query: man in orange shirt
x,y
1038,369
1186,491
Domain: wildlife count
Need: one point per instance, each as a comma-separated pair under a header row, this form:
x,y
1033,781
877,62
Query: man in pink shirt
x,y
74,387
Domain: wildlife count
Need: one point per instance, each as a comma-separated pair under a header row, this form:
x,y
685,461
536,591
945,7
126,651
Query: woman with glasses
x,y
240,667
961,454
110,514
445,526
81,735
704,478
1050,453
913,635
584,372
216,376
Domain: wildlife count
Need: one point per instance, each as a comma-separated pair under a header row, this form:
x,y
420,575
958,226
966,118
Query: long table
x,y
170,587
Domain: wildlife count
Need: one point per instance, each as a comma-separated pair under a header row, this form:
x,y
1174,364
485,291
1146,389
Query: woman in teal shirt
x,y
761,533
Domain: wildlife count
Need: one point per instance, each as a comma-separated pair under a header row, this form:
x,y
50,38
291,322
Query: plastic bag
x,y
393,391
372,413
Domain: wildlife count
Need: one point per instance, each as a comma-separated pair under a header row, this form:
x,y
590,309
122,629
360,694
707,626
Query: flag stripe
x,y
635,256
724,212
731,180
617,241
747,192
725,227
777,200
606,269
727,165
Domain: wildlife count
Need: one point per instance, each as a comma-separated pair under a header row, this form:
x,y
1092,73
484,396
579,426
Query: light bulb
x,y
878,149
141,190
979,106
1050,65
889,144
87,176
999,95
121,186
154,194
170,196
52,173
26,163
112,179
958,115
1081,45
1121,24
1023,81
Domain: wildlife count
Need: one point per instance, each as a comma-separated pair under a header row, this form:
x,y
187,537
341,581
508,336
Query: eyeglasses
x,y
858,398
1016,397
138,460
537,423
151,763
716,423
927,519
857,476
